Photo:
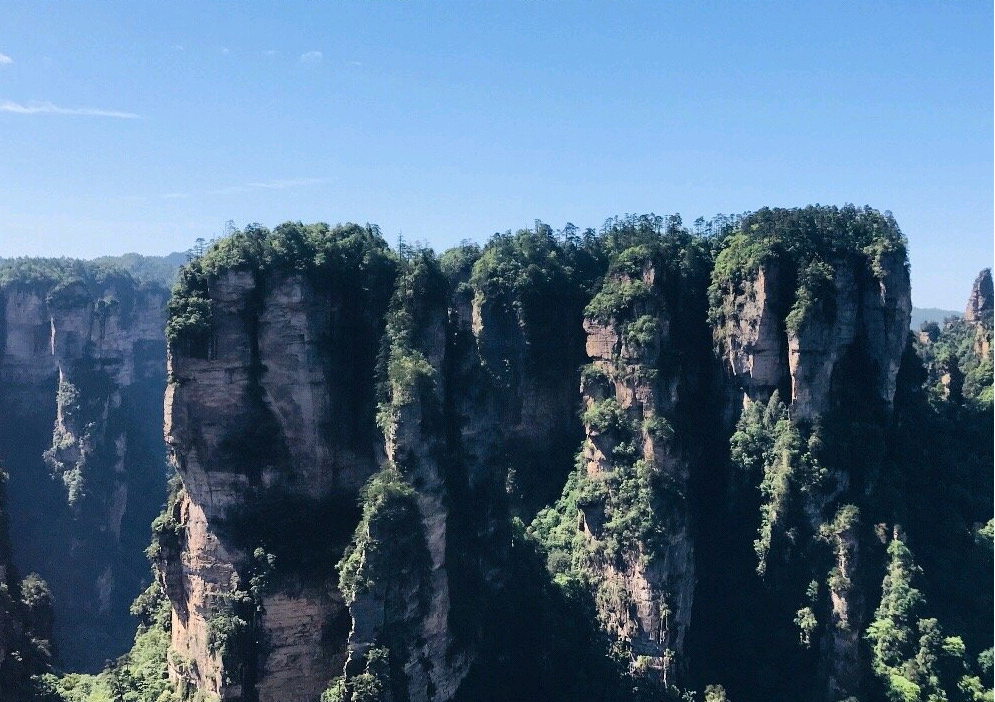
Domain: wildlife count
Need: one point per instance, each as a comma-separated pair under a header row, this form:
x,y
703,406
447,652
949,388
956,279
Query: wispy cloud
x,y
288,183
312,57
271,52
283,184
5,60
178,47
355,63
48,108
225,51
230,190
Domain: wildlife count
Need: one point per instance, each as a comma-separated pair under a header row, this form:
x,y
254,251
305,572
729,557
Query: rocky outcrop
x,y
646,585
981,304
271,435
524,363
754,348
296,392
81,367
859,308
405,606
272,403
841,314
841,649
979,313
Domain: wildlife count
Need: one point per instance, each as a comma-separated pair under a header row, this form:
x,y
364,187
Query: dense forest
x,y
645,462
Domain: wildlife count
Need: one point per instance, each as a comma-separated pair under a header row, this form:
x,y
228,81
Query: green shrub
x,y
815,290
642,331
659,429
807,624
389,536
606,417
225,630
617,298
372,685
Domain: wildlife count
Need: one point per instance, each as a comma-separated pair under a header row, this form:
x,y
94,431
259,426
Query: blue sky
x,y
140,126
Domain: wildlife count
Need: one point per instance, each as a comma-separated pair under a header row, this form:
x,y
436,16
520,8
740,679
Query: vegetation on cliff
x,y
141,675
25,619
404,371
819,487
958,356
910,655
388,542
543,281
797,529
63,280
805,245
348,258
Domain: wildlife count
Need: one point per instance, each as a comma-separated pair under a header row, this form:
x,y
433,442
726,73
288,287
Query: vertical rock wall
x,y
861,309
266,446
843,342
80,371
480,400
649,586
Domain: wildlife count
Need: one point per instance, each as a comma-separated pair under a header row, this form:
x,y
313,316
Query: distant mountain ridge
x,y
149,269
158,269
931,314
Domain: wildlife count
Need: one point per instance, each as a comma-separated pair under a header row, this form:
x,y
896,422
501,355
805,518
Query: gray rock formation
x,y
754,348
862,310
80,370
265,425
981,304
855,326
646,592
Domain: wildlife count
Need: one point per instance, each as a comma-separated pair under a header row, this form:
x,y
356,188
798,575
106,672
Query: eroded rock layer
x,y
363,437
81,371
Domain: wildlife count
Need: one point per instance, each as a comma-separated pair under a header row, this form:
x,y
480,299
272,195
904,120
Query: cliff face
x,y
754,347
275,405
80,369
857,307
979,312
636,376
827,331
267,423
565,385
401,604
981,304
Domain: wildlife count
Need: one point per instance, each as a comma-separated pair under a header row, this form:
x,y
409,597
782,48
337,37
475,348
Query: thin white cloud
x,y
355,63
271,52
5,60
225,51
288,183
178,47
230,190
312,57
48,108
283,184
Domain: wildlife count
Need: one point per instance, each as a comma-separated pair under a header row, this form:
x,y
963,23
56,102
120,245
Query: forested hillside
x,y
648,462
